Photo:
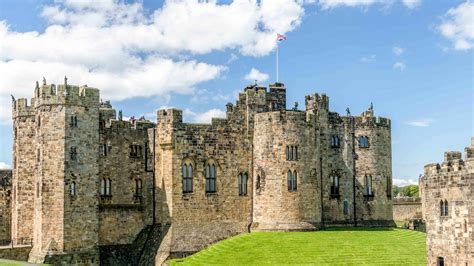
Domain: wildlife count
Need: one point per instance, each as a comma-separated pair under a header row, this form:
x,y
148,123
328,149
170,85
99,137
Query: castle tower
x,y
66,175
285,181
373,168
24,166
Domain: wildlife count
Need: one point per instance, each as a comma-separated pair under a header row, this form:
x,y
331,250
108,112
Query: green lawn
x,y
338,246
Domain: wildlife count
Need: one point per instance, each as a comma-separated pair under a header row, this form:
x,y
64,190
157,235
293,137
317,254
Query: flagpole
x,y
277,61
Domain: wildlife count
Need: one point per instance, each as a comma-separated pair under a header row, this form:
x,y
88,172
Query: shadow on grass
x,y
359,229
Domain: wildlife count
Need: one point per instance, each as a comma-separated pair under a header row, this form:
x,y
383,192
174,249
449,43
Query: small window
x,y
38,155
73,153
108,187
138,188
187,178
389,186
441,208
368,185
292,180
210,178
72,189
446,208
465,226
335,141
103,149
363,142
291,153
243,180
334,185
345,208
73,121
102,187
440,261
258,182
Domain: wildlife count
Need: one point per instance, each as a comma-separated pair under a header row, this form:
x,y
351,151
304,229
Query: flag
x,y
280,37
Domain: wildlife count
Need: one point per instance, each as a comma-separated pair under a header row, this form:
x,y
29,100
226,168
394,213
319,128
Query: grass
x,y
338,246
4,262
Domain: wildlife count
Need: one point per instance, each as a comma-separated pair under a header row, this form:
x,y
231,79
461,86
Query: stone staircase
x,y
141,252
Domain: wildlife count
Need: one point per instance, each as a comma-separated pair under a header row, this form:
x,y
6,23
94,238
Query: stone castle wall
x,y
77,168
5,206
406,209
450,235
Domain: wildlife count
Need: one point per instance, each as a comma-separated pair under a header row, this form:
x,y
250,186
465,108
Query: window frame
x,y
211,179
187,178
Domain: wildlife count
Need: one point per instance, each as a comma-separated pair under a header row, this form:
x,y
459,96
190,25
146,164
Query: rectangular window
x,y
368,185
291,153
346,207
334,185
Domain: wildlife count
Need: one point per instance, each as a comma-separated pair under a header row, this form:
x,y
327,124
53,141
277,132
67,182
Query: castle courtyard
x,y
336,246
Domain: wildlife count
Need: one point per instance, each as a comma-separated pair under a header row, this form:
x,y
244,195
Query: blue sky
x,y
413,59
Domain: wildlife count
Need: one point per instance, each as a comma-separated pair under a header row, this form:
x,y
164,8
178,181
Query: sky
x,y
412,58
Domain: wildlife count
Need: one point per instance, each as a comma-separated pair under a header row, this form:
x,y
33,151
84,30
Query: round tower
x,y
286,191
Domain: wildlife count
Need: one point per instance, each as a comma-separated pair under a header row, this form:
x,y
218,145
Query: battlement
x,y
281,117
171,116
67,94
22,108
317,102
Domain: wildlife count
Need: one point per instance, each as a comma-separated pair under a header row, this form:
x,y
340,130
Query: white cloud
x,y
411,3
398,50
458,26
203,118
4,166
368,59
404,182
328,4
425,122
126,52
400,66
255,74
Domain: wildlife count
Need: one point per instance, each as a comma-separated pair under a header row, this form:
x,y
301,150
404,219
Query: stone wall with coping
x,y
405,209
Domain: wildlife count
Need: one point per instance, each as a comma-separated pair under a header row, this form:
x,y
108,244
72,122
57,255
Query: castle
x,y
86,181
448,208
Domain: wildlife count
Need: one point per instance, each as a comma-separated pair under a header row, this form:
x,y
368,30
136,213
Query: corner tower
x,y
66,175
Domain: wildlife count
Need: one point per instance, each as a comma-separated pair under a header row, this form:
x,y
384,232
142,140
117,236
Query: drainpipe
x,y
353,169
321,175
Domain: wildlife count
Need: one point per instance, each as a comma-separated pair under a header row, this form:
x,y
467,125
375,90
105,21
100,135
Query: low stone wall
x,y
16,253
405,209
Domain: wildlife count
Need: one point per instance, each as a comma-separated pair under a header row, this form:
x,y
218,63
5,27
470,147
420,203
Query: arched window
x,y
102,187
138,187
295,153
187,178
258,182
291,153
441,208
368,185
243,180
295,177
287,153
292,180
72,188
334,185
210,178
446,208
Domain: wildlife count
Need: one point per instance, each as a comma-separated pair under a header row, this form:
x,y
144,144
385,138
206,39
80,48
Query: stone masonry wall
x,y
405,209
450,235
5,206
275,207
123,213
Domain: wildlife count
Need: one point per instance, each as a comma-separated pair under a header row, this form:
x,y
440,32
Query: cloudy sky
x,y
412,58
